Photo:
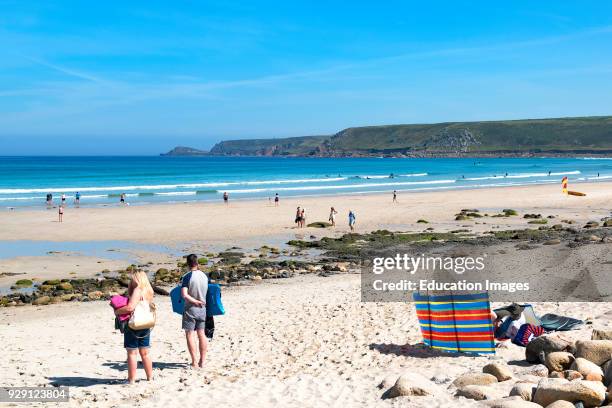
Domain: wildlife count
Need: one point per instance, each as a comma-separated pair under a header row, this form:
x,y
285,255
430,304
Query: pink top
x,y
117,302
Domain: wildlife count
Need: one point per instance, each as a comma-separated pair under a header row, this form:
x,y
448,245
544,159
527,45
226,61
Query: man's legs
x,y
203,346
189,335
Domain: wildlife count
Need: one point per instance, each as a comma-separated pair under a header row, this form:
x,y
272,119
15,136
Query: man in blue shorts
x,y
194,288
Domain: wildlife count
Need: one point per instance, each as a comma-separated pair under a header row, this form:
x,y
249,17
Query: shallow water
x,y
25,181
114,250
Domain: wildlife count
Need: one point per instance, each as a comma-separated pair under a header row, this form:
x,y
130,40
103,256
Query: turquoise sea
x,y
25,181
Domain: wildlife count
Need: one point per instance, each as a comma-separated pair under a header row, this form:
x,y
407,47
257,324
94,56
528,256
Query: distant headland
x,y
579,136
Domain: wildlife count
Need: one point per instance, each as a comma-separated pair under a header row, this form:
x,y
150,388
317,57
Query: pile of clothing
x,y
520,324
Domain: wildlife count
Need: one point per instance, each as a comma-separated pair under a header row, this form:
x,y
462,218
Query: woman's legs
x,y
146,362
132,362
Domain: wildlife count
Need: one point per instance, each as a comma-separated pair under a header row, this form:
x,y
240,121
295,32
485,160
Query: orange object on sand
x,y
566,191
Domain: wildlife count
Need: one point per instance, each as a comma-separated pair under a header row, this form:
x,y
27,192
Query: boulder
x,y
511,402
546,344
596,351
589,370
549,390
559,360
601,334
95,295
475,392
42,300
607,370
411,384
539,370
501,371
560,404
387,382
474,379
65,286
572,375
523,390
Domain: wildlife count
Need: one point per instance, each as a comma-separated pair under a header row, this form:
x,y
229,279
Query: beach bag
x,y
526,333
214,306
176,297
120,325
143,316
209,327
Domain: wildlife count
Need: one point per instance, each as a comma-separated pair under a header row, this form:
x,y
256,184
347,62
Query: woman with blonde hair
x,y
137,341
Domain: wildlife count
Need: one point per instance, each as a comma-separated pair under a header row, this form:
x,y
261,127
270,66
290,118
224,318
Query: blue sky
x,y
139,77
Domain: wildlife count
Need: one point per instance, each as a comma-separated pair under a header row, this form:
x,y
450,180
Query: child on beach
x,y
352,219
193,289
137,341
332,216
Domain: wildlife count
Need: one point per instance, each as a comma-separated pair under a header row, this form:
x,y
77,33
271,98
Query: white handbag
x,y
143,316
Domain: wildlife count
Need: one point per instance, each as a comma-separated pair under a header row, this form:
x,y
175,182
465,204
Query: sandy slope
x,y
307,341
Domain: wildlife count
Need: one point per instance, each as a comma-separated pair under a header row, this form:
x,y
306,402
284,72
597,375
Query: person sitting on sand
x,y
332,216
194,289
352,219
137,341
60,212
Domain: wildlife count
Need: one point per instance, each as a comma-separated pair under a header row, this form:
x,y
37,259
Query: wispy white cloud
x,y
64,70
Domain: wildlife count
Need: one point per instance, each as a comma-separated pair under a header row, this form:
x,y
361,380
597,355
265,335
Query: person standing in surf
x,y
49,199
276,199
77,198
226,198
122,198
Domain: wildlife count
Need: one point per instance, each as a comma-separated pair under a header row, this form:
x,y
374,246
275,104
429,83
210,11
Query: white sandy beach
x,y
303,342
